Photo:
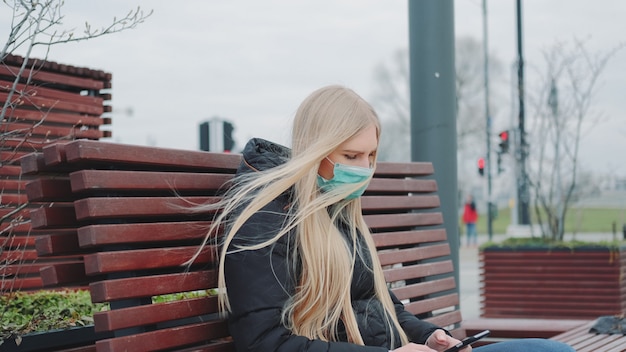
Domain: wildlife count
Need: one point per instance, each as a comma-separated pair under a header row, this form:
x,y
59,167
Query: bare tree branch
x,y
35,24
574,72
391,99
40,19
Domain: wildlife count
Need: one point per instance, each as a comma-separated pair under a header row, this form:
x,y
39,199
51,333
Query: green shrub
x,y
25,312
184,295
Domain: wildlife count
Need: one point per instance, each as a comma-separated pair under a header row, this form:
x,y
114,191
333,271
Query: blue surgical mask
x,y
346,175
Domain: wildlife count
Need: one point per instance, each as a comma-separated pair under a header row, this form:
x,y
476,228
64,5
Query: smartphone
x,y
467,341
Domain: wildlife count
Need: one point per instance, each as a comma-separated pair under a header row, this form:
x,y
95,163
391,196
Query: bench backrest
x,y
50,102
114,204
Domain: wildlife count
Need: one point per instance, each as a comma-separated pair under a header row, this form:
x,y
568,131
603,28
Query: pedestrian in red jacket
x,y
470,216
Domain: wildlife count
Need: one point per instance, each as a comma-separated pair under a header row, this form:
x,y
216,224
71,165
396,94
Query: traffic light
x,y
216,135
229,141
204,136
481,166
504,142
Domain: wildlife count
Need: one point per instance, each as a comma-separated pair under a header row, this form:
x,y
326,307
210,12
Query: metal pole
x,y
433,102
488,126
522,190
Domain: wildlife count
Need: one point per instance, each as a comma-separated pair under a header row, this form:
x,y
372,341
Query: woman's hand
x,y
413,347
440,341
437,341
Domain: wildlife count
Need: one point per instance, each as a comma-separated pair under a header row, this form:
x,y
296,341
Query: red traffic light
x,y
504,142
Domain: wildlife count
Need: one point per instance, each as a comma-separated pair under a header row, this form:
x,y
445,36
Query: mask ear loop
x,y
332,163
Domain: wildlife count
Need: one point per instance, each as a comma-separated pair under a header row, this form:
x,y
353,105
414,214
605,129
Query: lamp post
x,y
523,195
488,124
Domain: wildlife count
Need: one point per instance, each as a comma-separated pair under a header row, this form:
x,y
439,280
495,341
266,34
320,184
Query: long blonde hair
x,y
325,119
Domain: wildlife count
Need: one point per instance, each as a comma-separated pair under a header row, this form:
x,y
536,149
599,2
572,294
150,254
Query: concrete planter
x,y
54,340
580,283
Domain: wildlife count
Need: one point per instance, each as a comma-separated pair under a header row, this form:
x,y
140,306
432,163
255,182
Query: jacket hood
x,y
260,155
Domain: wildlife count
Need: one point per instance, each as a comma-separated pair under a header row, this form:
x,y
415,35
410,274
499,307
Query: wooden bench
x,y
51,102
114,206
584,341
503,329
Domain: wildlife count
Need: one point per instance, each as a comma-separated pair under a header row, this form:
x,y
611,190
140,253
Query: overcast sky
x,y
252,62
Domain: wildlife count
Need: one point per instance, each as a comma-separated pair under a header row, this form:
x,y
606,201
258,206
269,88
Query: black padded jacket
x,y
259,282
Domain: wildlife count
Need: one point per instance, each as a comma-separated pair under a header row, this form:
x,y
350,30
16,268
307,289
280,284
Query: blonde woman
x,y
298,268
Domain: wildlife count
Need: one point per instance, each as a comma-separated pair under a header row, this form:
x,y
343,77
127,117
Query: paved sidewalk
x,y
469,286
469,274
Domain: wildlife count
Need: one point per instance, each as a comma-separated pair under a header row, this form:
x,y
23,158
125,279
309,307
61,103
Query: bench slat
x,y
556,290
418,271
15,256
402,170
143,180
12,185
154,285
401,185
413,254
425,288
154,313
20,238
9,199
450,320
14,214
120,207
49,189
387,221
54,132
433,304
95,151
21,283
38,102
53,217
22,269
387,239
10,170
156,258
153,232
61,117
545,313
546,280
593,268
523,327
54,155
69,273
425,269
378,203
32,163
222,346
12,157
53,78
62,95
58,244
164,339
